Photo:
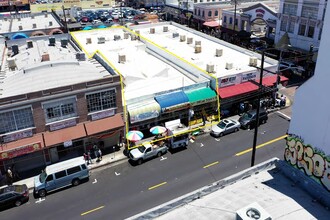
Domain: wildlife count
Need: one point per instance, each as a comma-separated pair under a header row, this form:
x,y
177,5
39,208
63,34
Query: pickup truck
x,y
147,151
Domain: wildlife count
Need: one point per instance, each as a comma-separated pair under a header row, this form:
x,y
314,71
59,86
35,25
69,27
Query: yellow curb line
x,y
93,210
153,187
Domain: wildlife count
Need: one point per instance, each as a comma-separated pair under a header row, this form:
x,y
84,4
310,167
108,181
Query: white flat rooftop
x,y
26,21
239,57
32,74
274,192
143,73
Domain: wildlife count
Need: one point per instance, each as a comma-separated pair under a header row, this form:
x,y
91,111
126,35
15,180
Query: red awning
x,y
105,124
211,24
66,134
271,80
235,90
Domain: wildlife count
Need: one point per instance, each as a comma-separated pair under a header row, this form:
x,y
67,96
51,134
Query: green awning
x,y
201,95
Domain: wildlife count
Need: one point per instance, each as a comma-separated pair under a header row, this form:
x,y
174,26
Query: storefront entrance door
x,y
53,154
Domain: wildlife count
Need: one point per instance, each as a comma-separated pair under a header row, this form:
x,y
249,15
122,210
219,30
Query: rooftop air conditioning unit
x,y
189,40
116,37
52,41
133,37
11,63
218,52
121,58
137,32
88,40
18,19
50,23
15,49
174,35
229,66
20,27
165,29
198,42
29,43
253,61
182,38
252,211
32,16
64,43
34,25
152,30
45,57
80,56
101,40
210,68
126,35
46,15
198,49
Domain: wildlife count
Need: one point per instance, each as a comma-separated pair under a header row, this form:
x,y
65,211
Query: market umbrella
x,y
87,28
158,130
134,135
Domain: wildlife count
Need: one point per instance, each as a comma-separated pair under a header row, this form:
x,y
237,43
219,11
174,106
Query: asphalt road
x,y
120,191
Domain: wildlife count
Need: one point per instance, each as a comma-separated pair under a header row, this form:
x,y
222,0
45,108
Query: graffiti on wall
x,y
312,161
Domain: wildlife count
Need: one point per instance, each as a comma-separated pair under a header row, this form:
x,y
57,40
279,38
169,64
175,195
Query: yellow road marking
x,y
211,164
153,187
261,145
93,210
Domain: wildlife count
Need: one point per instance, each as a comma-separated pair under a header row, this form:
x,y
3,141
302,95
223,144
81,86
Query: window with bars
x,y
210,13
290,9
16,120
59,110
310,32
101,100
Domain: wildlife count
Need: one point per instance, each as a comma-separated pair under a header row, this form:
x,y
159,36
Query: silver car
x,y
224,127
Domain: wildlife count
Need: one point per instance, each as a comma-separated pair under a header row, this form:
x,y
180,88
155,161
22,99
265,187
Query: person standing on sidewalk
x,y
9,176
89,158
99,154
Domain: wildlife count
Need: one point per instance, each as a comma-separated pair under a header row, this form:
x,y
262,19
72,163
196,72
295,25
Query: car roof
x,y
13,188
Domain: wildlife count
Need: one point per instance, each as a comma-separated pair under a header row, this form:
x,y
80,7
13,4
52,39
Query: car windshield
x,y
247,116
42,177
222,125
142,149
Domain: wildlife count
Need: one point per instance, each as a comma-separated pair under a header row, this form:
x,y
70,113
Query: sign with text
x,y
17,135
249,76
104,114
20,151
62,124
227,81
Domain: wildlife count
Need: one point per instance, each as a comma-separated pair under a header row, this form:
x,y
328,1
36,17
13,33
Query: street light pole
x,y
258,110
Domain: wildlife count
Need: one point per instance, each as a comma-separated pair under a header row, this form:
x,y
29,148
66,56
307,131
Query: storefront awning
x,y
143,111
200,96
63,135
21,147
271,80
172,101
235,90
211,24
105,124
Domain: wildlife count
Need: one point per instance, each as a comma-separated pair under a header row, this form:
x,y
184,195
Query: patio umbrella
x,y
134,135
87,28
101,26
158,130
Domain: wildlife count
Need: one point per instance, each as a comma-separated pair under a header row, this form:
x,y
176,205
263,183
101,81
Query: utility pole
x,y
235,3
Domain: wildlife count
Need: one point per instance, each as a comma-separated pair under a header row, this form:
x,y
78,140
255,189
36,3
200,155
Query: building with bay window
x,y
55,103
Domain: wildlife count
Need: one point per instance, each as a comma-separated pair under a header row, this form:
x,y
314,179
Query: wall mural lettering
x,y
313,162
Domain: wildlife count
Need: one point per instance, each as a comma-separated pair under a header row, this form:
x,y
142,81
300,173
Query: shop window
x,y
216,13
15,120
60,109
101,100
230,20
310,32
284,24
210,13
225,19
291,27
302,29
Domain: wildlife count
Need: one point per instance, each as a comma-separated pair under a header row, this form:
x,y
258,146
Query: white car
x,y
225,126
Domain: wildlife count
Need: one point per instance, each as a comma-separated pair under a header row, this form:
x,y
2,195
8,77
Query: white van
x,y
62,174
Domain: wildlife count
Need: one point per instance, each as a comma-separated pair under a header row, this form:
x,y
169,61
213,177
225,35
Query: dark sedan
x,y
14,195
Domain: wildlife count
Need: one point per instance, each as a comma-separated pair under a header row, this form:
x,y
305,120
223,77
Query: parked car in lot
x,y
225,126
14,195
249,118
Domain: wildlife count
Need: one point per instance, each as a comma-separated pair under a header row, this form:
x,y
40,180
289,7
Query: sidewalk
x,y
106,160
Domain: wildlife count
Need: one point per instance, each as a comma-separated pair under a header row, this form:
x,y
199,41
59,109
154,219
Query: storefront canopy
x,y
201,95
172,101
105,124
63,135
235,90
143,111
211,24
271,80
19,36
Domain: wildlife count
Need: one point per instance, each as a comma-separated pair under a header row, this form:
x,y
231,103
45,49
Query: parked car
x,y
248,119
14,195
225,126
288,69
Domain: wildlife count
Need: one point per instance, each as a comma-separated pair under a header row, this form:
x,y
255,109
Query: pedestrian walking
x,y
89,158
85,157
100,154
9,176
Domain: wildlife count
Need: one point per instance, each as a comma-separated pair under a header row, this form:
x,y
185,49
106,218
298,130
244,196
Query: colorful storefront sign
x,y
20,151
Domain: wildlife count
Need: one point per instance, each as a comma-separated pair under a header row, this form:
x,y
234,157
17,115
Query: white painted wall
x,y
311,107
